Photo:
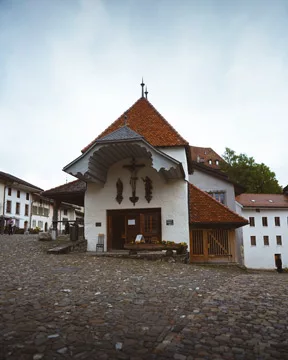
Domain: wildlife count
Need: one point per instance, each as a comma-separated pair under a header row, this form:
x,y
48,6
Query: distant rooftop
x,y
263,200
13,180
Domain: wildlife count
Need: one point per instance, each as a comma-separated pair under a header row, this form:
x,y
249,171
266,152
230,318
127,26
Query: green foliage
x,y
256,178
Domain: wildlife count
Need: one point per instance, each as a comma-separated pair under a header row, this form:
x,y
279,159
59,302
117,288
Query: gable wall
x,y
171,197
207,183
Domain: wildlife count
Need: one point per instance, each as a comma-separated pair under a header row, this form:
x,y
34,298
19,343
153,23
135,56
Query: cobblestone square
x,y
79,306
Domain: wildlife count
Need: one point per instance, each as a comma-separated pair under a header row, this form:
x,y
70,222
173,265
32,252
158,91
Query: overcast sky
x,y
215,69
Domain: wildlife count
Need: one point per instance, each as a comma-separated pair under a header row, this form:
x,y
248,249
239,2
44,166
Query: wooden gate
x,y
213,245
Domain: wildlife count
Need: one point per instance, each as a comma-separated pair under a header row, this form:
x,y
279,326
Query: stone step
x,y
63,237
80,245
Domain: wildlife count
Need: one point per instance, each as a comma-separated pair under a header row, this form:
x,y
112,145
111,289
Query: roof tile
x,y
204,209
145,120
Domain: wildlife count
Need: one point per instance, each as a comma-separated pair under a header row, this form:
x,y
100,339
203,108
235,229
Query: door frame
x,y
126,213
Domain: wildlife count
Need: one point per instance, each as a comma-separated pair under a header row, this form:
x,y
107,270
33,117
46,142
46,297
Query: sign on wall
x,y
169,222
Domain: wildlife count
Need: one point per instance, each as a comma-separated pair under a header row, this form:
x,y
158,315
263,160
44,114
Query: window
x,y
217,162
210,162
253,240
65,212
9,191
277,221
26,210
34,223
40,211
34,210
40,224
18,194
278,240
264,221
27,196
219,196
252,221
46,212
17,208
257,210
8,206
266,240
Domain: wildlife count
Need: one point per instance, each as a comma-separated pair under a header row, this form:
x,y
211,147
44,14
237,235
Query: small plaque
x,y
131,222
98,224
170,222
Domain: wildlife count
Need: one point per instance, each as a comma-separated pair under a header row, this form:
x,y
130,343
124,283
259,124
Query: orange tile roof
x,y
202,155
205,210
143,118
263,200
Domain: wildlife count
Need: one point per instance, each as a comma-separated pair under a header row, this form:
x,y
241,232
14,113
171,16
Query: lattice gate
x,y
212,245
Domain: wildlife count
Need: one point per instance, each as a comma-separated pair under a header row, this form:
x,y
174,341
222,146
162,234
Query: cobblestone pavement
x,y
78,306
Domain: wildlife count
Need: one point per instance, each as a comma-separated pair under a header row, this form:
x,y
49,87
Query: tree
x,y
256,178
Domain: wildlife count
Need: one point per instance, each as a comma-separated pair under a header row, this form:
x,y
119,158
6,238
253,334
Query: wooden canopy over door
x,y
212,245
124,225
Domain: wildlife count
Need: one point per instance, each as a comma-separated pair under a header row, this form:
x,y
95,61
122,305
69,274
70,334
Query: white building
x,y
134,179
267,233
42,213
15,199
22,202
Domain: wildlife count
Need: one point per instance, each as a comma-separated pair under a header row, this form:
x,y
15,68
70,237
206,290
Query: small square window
x,y
279,240
252,221
277,221
253,240
264,221
266,240
9,191
18,193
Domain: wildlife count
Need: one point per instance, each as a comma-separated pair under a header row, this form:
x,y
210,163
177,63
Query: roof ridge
x,y
216,201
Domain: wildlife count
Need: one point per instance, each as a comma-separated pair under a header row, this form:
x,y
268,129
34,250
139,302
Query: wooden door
x,y
132,227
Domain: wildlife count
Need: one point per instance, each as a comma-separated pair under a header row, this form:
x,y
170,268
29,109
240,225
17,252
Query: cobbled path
x,y
79,306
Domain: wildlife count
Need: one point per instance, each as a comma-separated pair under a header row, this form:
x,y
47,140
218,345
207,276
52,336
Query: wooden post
x,y
56,206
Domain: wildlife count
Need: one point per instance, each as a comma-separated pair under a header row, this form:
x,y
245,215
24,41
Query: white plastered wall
x,y
207,183
170,196
262,256
178,153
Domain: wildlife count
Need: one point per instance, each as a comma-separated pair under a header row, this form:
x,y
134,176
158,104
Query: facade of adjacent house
x,y
208,177
23,203
134,179
15,199
266,236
